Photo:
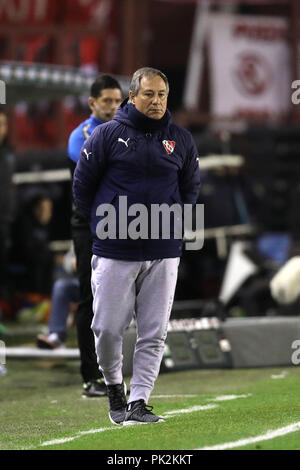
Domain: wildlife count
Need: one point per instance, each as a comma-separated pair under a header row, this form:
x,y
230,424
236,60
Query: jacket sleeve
x,y
189,177
88,172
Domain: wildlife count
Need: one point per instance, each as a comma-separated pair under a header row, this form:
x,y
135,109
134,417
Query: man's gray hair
x,y
145,72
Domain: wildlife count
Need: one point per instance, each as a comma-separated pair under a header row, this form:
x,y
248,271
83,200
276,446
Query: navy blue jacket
x,y
129,156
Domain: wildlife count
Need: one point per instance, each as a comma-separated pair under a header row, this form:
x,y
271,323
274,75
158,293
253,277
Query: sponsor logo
x,y
87,153
124,141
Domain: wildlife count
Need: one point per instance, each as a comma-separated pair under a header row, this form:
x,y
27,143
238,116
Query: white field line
x,y
57,441
219,398
251,440
79,434
230,397
174,396
170,414
279,376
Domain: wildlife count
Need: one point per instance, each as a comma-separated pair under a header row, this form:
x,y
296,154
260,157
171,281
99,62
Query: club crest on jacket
x,y
169,145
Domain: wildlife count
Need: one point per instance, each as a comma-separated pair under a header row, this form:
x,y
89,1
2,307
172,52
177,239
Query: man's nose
x,y
156,99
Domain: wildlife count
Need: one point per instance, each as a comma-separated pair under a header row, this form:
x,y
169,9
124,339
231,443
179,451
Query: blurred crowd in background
x,y
259,190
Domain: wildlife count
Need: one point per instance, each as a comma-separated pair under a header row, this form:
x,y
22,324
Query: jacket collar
x,y
139,120
95,120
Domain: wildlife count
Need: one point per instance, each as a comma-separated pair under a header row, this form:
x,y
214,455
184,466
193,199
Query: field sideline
x,y
41,409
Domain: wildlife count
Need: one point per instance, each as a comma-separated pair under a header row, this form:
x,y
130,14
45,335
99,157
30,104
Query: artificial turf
x,y
40,402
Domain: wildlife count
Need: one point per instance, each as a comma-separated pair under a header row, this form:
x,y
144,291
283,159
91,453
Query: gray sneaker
x,y
137,412
117,402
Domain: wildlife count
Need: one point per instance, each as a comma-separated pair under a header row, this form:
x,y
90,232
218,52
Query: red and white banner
x,y
250,68
28,12
37,12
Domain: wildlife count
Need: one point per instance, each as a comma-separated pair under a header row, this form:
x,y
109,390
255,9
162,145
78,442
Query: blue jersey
x,y
76,141
79,136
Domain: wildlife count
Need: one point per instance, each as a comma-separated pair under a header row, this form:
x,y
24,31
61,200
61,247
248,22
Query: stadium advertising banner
x,y
38,12
249,66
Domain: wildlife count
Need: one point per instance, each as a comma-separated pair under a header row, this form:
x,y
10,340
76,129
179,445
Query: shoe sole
x,y
114,422
94,396
41,344
133,423
111,420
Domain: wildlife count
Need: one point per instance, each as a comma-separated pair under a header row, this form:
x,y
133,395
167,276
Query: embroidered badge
x,y
169,145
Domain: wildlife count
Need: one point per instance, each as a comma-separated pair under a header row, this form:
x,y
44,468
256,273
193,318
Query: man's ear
x,y
132,97
91,103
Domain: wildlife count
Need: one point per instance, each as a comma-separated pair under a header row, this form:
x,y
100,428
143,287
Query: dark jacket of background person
x,y
7,190
7,206
141,169
83,248
31,245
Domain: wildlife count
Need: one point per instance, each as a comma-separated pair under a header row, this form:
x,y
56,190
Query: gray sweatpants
x,y
122,289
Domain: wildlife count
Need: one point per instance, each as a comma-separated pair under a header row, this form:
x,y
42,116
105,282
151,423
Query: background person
x,y
31,235
64,292
105,98
140,154
7,200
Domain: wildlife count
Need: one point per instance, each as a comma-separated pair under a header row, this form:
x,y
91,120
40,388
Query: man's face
x,y
152,97
3,127
105,106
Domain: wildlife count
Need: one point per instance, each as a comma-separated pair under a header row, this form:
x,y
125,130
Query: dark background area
x,y
117,37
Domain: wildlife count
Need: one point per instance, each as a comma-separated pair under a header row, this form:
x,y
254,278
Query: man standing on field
x,y
143,155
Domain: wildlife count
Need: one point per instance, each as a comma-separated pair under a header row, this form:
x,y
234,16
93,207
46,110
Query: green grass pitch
x,y
41,408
